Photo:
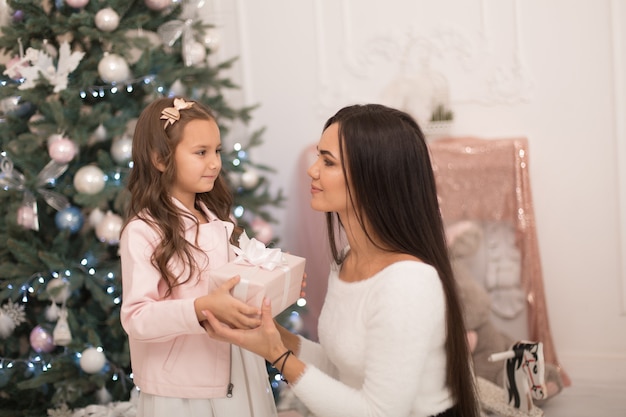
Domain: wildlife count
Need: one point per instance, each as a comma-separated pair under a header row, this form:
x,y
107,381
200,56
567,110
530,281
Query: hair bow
x,y
172,114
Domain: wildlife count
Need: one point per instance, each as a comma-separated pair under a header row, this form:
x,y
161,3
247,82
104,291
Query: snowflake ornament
x,y
11,316
15,312
42,65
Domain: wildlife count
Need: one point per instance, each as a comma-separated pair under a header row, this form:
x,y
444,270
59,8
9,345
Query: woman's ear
x,y
156,161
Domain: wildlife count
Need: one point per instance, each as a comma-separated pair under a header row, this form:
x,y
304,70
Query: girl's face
x,y
198,160
329,192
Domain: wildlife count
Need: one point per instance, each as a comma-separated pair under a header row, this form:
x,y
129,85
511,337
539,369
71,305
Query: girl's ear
x,y
156,161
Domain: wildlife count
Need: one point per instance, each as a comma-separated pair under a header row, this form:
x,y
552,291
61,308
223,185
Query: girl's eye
x,y
201,153
328,163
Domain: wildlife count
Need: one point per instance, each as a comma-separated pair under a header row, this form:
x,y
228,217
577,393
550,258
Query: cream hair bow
x,y
172,114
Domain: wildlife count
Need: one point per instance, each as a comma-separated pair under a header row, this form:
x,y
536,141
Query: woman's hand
x,y
227,308
264,340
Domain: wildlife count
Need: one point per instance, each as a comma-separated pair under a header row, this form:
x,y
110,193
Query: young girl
x,y
178,229
392,339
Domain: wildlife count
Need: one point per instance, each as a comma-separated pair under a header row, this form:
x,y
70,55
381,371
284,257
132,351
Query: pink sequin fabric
x,y
488,180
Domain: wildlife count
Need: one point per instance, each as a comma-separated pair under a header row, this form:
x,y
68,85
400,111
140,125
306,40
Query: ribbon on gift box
x,y
252,252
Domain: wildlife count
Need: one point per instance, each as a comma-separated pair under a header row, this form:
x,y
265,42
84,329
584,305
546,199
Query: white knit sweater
x,y
381,350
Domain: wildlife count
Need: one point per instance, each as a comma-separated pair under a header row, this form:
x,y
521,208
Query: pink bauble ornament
x,y
112,68
89,180
61,149
262,230
92,360
107,20
109,228
77,4
41,340
27,217
157,4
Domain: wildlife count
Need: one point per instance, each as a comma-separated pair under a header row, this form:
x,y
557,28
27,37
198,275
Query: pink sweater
x,y
171,354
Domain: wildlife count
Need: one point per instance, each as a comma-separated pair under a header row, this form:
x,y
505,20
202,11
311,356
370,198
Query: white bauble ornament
x,y
112,68
249,179
100,134
109,228
61,149
122,150
89,180
77,4
95,217
194,53
211,39
92,360
58,290
158,4
107,20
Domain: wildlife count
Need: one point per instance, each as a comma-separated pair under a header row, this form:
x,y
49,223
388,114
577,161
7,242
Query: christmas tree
x,y
78,74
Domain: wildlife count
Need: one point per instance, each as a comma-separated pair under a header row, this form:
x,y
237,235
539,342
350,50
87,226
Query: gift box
x,y
264,273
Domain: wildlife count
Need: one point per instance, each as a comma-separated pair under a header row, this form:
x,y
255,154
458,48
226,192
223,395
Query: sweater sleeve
x,y
145,315
404,319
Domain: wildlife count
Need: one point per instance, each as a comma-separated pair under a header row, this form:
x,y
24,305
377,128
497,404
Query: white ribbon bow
x,y
254,253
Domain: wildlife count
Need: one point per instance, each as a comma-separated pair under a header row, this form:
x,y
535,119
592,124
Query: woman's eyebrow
x,y
327,153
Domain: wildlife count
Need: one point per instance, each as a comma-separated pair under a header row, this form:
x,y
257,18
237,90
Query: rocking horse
x,y
525,379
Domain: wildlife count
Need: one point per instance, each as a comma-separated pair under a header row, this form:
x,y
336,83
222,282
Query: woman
x,y
392,339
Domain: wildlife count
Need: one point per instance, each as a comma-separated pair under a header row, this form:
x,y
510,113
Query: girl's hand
x,y
227,308
264,340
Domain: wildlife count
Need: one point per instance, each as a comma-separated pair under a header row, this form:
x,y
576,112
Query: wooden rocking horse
x,y
525,380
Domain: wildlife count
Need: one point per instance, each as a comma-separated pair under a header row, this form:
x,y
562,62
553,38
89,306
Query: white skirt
x,y
252,395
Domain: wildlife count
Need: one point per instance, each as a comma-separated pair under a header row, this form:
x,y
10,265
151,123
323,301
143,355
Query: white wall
x,y
553,71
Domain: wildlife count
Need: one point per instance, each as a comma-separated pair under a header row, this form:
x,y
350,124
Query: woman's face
x,y
329,192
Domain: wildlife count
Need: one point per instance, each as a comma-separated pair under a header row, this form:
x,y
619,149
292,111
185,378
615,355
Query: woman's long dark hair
x,y
149,187
392,187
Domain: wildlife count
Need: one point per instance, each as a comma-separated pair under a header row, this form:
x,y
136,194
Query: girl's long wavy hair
x,y
392,187
149,188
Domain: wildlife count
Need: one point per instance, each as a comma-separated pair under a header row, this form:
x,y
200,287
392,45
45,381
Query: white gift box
x,y
264,273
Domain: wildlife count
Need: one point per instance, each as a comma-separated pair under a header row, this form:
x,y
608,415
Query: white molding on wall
x,y
618,16
497,80
244,47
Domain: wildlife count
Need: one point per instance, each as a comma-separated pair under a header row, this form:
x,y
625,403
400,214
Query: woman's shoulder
x,y
405,274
